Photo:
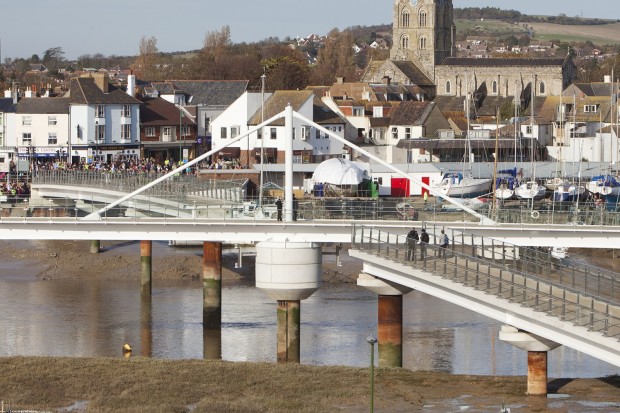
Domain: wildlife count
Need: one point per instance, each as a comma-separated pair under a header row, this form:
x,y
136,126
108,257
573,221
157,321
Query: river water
x,y
95,318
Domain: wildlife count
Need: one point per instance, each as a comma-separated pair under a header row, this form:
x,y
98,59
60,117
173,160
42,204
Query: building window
x,y
184,130
100,133
26,120
126,111
541,88
317,134
494,87
126,132
207,123
407,133
405,22
52,121
166,133
305,133
234,131
377,112
52,138
26,138
405,42
259,134
448,87
100,111
223,132
149,131
590,108
394,133
423,43
273,133
528,129
358,111
422,18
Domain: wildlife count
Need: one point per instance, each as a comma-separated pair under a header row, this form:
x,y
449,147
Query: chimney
x,y
607,79
131,85
339,80
102,81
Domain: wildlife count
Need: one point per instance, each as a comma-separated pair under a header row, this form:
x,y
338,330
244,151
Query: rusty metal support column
x,y
390,330
212,285
146,267
288,331
146,326
95,246
212,300
537,373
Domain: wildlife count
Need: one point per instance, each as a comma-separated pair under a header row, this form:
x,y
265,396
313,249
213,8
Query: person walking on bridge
x,y
423,243
444,241
412,240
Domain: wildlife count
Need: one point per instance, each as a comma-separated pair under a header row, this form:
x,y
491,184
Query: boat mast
x,y
262,141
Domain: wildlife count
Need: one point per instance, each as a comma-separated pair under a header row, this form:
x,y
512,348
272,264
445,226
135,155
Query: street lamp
x,y
372,340
180,136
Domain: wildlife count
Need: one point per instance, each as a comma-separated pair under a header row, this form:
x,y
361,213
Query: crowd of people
x,y
414,239
11,187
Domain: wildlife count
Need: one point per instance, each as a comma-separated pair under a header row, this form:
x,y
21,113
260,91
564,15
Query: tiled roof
x,y
220,93
323,115
450,103
43,106
412,113
6,105
160,112
413,72
499,62
278,102
84,91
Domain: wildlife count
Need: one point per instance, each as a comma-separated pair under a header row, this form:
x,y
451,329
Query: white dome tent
x,y
340,177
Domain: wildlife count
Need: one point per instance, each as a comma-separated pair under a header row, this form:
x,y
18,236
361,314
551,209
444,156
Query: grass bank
x,y
149,385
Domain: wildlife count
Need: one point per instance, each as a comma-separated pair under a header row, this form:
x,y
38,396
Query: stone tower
x,y
423,33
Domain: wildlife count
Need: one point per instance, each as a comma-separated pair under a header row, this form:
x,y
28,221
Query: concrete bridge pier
x,y
95,246
537,348
289,272
146,267
389,318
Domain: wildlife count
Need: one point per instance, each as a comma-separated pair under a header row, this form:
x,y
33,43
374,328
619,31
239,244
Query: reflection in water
x,y
95,318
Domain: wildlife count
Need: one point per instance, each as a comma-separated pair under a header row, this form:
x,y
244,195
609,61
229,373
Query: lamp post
x,y
372,340
180,135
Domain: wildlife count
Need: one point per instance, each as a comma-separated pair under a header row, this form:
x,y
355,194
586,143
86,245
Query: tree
x,y
336,59
287,72
145,65
53,57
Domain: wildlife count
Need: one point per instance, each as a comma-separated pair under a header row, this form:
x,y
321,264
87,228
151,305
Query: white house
x,y
42,128
105,122
309,144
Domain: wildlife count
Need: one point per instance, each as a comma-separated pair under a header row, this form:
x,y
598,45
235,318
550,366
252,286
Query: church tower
x,y
423,33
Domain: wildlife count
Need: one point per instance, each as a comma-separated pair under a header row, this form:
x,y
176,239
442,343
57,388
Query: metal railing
x,y
472,266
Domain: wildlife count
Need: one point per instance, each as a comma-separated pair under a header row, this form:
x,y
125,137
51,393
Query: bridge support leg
x,y
146,267
390,329
537,373
95,246
146,326
288,331
212,300
537,348
389,318
212,285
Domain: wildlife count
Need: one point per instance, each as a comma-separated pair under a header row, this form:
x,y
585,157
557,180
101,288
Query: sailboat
x,y
531,189
568,193
463,184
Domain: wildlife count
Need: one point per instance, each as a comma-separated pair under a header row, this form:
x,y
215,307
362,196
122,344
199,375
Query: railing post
x,y
606,328
591,328
563,317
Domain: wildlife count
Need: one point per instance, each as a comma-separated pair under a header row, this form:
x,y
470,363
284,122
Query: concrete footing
x,y
537,348
288,331
95,246
146,267
212,286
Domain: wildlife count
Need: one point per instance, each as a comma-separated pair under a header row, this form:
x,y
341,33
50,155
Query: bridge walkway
x,y
582,302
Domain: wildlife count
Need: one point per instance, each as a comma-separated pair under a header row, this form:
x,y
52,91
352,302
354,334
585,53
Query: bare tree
x,y
146,62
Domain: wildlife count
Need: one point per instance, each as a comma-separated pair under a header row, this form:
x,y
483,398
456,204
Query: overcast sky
x,y
116,26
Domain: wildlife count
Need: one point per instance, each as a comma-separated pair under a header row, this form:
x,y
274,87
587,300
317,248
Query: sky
x,y
115,27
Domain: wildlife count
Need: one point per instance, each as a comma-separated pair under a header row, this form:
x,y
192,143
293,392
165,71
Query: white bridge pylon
x,y
288,114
